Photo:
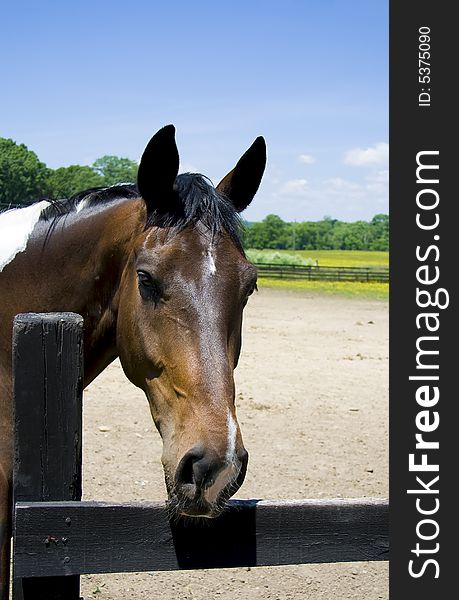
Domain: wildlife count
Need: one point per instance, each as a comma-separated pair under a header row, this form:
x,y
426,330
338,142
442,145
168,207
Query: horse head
x,y
179,321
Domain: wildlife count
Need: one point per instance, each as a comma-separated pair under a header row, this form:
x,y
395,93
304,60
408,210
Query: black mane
x,y
92,197
194,201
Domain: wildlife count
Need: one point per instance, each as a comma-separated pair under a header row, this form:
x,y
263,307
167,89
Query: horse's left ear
x,y
158,169
241,184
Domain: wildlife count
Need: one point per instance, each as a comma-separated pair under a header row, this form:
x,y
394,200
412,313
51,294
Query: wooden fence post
x,y
48,384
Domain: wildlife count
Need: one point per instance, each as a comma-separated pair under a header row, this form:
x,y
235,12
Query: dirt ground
x,y
312,398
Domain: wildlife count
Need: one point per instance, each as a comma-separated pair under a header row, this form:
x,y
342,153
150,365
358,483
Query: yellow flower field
x,y
356,289
326,258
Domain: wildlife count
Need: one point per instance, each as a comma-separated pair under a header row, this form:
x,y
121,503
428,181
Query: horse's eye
x,y
145,279
250,292
149,288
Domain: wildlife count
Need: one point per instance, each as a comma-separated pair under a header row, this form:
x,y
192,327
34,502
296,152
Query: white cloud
x,y
362,157
340,184
301,199
378,182
378,176
307,159
294,186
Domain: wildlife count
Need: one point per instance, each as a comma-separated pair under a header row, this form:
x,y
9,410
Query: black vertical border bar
x,y
48,385
413,129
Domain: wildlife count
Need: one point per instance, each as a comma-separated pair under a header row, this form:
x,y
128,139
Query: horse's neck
x,y
77,269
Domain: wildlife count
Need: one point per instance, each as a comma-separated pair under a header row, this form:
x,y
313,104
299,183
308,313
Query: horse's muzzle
x,y
204,482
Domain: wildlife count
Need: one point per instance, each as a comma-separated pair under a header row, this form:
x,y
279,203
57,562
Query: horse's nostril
x,y
199,468
187,469
205,479
203,472
243,455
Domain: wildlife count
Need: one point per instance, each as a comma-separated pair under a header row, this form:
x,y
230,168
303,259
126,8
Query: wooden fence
x,y
319,273
8,205
57,537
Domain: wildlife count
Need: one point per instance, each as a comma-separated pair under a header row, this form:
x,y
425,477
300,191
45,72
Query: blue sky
x,y
85,79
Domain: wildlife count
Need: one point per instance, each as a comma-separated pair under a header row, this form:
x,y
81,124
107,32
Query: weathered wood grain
x,y
96,537
47,383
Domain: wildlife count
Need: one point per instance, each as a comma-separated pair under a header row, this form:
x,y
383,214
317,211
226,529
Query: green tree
x,y
23,178
115,169
275,232
380,226
272,232
306,235
327,234
66,181
324,233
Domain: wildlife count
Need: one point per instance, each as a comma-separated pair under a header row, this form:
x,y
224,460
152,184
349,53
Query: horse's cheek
x,y
128,339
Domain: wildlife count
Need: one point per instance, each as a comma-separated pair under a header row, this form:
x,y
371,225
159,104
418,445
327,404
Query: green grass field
x,y
326,258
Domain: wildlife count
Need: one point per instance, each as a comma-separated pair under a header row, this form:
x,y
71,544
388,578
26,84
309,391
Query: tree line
x,y
327,234
25,179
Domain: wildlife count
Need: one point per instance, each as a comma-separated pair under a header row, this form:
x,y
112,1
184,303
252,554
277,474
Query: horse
x,y
158,272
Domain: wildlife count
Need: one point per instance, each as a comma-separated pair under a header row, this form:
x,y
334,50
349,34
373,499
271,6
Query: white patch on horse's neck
x,y
82,204
16,227
211,262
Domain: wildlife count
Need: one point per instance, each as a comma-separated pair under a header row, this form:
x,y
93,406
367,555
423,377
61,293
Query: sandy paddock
x,y
312,398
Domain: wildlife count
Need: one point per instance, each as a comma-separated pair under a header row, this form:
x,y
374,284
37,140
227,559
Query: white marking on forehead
x,y
147,239
16,227
211,264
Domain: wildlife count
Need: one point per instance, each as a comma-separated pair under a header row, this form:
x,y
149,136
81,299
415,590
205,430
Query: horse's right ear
x,y
158,169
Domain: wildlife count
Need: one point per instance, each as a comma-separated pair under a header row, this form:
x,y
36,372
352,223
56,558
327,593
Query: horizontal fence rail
x,y
68,538
319,273
9,205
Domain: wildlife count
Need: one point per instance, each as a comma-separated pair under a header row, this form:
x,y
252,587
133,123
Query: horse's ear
x,y
241,184
158,169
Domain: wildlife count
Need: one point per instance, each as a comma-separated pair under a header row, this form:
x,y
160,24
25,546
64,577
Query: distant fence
x,y
57,536
319,273
8,206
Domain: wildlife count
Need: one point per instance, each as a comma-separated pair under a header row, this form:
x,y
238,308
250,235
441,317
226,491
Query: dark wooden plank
x,y
47,364
47,367
97,537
